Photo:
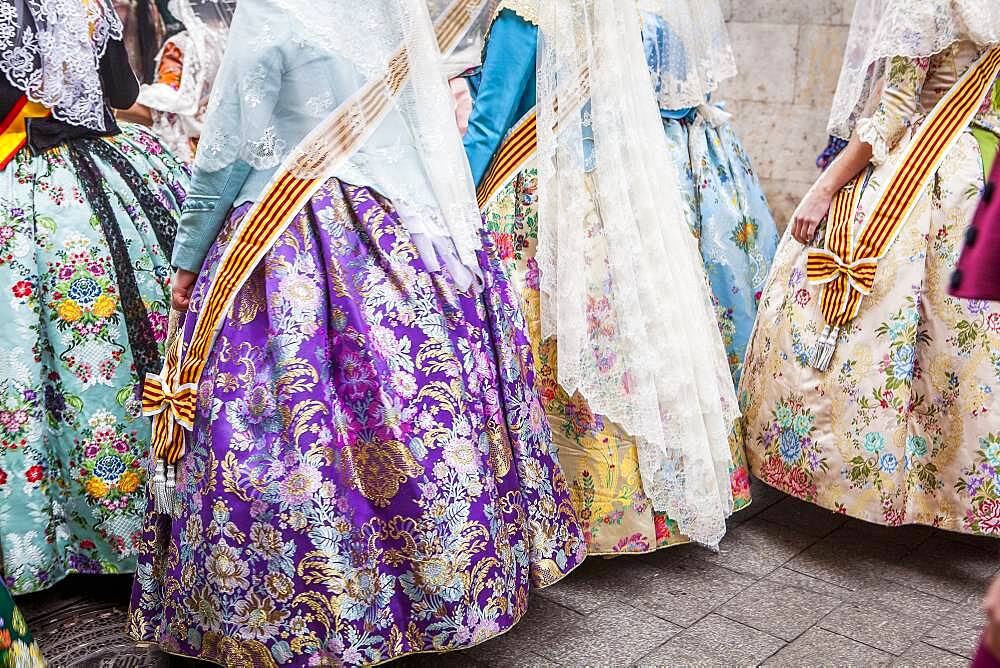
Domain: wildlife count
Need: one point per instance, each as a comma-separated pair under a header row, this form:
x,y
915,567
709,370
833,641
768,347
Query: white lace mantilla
x,y
288,67
52,52
623,287
689,62
884,29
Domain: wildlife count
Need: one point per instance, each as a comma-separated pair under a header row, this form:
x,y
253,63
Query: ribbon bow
x,y
823,267
172,412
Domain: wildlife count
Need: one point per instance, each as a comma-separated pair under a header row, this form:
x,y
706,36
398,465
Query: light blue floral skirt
x,y
728,212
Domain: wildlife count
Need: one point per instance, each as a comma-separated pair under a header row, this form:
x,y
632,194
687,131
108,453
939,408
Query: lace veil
x,y
289,66
202,43
693,56
883,29
51,50
623,287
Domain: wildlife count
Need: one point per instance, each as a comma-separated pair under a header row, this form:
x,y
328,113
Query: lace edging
x,y
526,9
868,132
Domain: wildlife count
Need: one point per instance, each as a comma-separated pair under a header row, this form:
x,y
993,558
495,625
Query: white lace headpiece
x,y
689,51
51,50
623,287
884,29
288,66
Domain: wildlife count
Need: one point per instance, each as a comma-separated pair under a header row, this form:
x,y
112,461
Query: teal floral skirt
x,y
85,236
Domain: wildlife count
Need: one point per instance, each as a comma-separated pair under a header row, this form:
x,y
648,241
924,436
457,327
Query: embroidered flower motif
x,y
916,446
84,291
791,447
69,311
104,307
22,289
888,463
96,487
109,468
874,442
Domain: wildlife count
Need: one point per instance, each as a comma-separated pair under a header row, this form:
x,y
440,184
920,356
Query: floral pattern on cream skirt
x,y
904,427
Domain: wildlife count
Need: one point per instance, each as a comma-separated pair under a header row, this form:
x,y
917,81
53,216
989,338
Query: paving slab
x,y
818,648
614,635
758,547
685,590
715,641
781,610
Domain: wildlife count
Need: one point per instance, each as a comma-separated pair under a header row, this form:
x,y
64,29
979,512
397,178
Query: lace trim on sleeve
x,y
868,132
526,9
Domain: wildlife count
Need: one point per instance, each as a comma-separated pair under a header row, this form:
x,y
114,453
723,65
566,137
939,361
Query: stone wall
x,y
788,53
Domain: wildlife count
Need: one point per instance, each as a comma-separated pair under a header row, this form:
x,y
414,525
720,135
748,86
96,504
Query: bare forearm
x,y
855,157
816,204
137,113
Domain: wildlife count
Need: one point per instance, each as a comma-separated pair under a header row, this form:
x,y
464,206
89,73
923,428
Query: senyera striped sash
x,y
170,397
847,265
517,147
521,141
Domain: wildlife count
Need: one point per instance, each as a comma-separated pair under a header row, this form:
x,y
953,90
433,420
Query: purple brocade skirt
x,y
370,473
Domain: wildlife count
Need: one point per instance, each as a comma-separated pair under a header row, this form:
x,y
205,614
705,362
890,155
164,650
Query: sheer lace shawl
x,y
623,286
51,50
915,29
288,67
178,113
694,56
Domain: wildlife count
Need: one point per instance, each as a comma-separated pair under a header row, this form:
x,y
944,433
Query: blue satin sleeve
x,y
506,88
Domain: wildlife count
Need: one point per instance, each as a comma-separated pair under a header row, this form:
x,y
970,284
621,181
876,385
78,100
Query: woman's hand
x,y
810,212
180,289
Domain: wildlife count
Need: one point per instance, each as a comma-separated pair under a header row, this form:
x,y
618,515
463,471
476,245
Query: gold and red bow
x,y
172,409
839,279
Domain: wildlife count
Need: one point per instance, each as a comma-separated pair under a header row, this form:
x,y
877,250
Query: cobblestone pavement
x,y
793,585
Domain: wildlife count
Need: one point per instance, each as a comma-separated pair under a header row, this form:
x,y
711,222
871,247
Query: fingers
x,y
799,230
804,229
180,298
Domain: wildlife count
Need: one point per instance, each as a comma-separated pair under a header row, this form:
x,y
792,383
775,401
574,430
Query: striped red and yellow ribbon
x,y
170,397
14,127
521,142
824,266
517,147
847,265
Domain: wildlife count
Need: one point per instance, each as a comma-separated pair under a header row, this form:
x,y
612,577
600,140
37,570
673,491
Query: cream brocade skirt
x,y
904,427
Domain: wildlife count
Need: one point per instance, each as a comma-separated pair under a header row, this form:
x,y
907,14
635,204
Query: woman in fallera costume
x,y
867,389
689,55
186,67
88,211
609,465
369,473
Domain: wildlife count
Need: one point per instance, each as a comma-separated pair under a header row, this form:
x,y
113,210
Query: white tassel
x,y
823,352
164,484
